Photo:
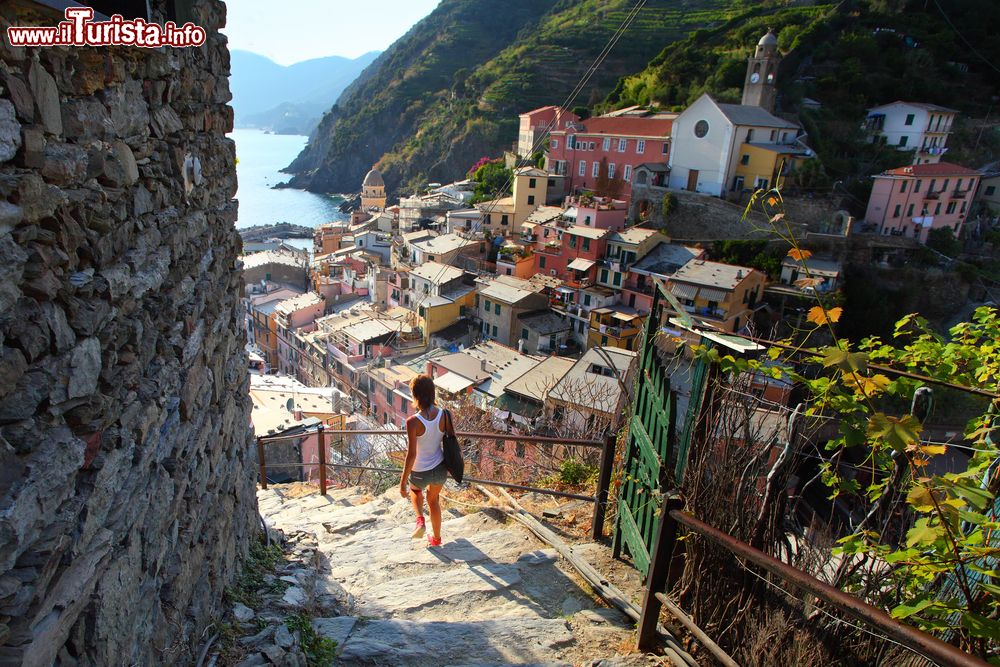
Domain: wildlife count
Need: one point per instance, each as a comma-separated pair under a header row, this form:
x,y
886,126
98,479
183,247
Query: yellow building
x,y
533,187
614,326
719,295
760,165
439,312
373,191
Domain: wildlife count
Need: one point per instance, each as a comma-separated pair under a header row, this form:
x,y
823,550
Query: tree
x,y
607,185
920,542
943,240
493,179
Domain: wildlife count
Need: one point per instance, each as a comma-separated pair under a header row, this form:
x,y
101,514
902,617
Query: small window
x,y
519,450
903,139
611,170
774,135
503,219
749,134
572,241
586,299
388,396
541,262
916,186
944,186
596,170
627,176
531,199
267,276
622,145
640,146
496,310
494,331
554,143
937,209
552,181
909,211
586,244
583,167
990,190
486,305
951,207
604,340
606,145
618,280
531,183
902,186
524,334
909,119
604,275
665,148
745,159
899,208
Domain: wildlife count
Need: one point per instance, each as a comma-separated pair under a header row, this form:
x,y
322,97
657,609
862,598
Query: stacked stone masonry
x,y
126,465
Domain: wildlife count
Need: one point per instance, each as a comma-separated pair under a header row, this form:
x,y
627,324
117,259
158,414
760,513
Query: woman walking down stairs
x,y
491,594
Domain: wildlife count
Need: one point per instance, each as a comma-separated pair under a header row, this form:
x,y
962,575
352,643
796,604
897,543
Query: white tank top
x,y
430,453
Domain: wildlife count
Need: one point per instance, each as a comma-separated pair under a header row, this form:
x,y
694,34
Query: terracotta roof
x,y
937,169
629,126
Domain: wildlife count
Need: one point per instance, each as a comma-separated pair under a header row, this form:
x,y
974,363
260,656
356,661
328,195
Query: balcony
x,y
932,195
639,289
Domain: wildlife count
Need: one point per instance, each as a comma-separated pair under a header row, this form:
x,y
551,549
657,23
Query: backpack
x,y
453,461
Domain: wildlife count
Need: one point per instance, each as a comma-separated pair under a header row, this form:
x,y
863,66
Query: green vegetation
x,y
764,256
262,559
943,240
833,53
320,651
574,473
450,90
493,180
669,204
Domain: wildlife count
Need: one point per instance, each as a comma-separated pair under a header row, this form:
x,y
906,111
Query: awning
x,y
565,290
570,212
683,291
710,294
580,264
452,383
626,317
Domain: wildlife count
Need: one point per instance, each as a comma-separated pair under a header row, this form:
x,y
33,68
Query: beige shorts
x,y
436,475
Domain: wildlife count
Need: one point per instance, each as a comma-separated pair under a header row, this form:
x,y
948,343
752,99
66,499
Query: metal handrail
x,y
920,642
600,498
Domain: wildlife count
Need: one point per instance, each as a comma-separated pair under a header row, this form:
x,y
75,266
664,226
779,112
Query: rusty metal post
x,y
262,463
322,459
659,568
603,487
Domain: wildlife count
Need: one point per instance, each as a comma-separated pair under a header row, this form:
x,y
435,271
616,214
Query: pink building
x,y
535,124
910,201
626,139
389,393
597,212
569,252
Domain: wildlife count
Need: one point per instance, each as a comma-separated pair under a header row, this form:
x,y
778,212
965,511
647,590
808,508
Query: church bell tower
x,y
760,86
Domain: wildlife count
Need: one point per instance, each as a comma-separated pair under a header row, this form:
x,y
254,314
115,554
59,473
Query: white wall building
x,y
707,135
912,126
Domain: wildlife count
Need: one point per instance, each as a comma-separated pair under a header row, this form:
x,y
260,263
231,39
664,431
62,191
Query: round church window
x,y
701,128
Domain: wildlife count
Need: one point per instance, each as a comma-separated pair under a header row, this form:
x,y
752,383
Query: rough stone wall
x,y
126,466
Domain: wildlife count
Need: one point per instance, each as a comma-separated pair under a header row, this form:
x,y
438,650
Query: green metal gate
x,y
650,463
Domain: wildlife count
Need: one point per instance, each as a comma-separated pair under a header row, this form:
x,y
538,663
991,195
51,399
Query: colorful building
x,y
614,326
719,295
624,139
535,125
912,126
911,201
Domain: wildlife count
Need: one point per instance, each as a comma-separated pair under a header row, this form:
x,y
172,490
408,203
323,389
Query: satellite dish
x,y
290,405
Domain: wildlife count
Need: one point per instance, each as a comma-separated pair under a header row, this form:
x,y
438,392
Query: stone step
x,y
458,585
511,641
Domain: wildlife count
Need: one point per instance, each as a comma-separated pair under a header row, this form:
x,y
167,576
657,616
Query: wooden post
x,y
603,487
262,463
659,568
322,460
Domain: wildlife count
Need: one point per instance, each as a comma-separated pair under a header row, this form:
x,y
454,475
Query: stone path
x,y
491,595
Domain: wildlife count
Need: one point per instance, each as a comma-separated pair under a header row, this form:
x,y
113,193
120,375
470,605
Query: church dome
x,y
769,39
373,179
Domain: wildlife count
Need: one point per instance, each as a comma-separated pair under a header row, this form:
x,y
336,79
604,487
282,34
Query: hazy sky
x,y
290,31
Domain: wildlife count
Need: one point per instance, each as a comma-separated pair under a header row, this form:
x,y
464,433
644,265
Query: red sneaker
x,y
418,532
433,541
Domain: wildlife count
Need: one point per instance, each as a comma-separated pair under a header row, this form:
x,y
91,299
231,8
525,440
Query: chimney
x,y
482,363
520,345
297,414
739,274
430,369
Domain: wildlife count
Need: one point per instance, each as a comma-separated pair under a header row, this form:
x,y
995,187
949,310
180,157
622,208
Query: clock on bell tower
x,y
759,89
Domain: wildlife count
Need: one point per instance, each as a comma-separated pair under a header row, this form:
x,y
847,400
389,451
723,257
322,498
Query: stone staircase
x,y
491,595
